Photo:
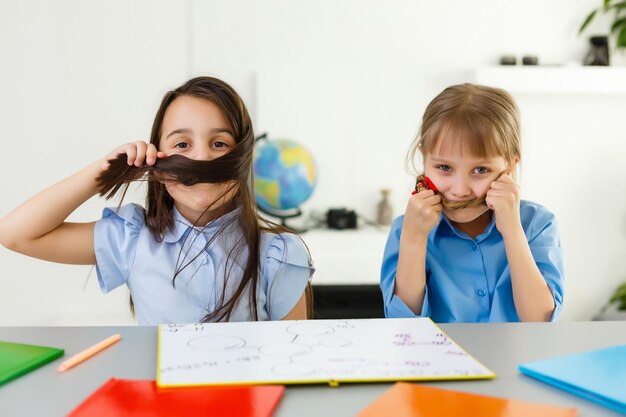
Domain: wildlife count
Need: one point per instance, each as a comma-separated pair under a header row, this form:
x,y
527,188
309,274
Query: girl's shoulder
x,y
536,217
396,224
284,247
131,214
530,209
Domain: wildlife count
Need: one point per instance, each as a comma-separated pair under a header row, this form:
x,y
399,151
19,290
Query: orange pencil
x,y
88,353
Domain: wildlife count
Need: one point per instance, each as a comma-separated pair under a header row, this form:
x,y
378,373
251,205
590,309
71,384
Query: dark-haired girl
x,y
198,251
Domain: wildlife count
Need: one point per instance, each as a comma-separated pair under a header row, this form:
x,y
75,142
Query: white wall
x,y
349,79
77,79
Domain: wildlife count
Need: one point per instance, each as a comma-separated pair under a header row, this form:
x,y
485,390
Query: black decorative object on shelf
x,y
530,60
341,219
508,60
598,54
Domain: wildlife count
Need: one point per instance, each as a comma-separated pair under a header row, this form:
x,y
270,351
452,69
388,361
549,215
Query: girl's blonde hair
x,y
484,120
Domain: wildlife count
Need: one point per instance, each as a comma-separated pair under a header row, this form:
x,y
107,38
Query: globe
x,y
285,175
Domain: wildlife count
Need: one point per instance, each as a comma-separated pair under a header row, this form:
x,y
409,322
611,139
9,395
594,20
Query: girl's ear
x,y
513,164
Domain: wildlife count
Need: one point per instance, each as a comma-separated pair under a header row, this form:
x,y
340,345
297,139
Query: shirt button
x,y
482,293
473,246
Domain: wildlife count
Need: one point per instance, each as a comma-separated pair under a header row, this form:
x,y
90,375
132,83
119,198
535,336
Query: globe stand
x,y
283,215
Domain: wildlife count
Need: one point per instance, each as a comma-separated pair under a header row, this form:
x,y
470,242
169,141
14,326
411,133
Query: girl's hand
x,y
503,197
137,153
422,213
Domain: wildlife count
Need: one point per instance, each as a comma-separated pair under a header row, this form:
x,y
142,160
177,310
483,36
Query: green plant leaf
x,y
617,24
620,42
617,6
620,293
587,21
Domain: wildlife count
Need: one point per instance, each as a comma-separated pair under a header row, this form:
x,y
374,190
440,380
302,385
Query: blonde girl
x,y
471,250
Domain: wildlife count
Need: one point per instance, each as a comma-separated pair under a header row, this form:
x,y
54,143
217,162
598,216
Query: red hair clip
x,y
423,183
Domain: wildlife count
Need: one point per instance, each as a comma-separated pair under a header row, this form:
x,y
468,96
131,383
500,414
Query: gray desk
x,y
500,347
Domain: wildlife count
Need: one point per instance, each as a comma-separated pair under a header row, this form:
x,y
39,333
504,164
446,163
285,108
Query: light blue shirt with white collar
x,y
468,280
127,253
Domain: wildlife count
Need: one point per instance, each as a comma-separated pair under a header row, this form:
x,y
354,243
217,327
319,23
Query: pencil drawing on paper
x,y
307,351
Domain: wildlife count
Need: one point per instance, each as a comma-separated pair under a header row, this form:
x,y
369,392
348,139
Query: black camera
x,y
341,219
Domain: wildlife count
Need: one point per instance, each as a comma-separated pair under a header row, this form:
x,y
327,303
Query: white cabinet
x,y
347,257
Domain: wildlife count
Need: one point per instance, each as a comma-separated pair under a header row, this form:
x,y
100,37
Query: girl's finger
x,y
501,185
424,194
151,154
131,152
506,178
498,193
433,200
142,149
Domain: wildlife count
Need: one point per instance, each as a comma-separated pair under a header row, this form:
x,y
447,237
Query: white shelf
x,y
554,80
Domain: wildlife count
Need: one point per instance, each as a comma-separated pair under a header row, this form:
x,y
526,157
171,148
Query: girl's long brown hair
x,y
236,166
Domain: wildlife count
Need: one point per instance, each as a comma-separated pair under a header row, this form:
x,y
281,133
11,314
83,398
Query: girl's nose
x,y
203,153
461,189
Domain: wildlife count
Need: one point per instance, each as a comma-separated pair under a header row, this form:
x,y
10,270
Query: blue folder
x,y
598,375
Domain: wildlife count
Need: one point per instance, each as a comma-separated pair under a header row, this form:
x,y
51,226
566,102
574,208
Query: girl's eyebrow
x,y
440,160
485,162
221,130
477,162
174,132
211,131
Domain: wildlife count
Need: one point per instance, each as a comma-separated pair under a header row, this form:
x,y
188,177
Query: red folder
x,y
122,397
412,400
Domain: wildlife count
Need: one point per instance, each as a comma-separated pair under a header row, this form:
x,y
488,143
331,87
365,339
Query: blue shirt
x,y
127,253
468,280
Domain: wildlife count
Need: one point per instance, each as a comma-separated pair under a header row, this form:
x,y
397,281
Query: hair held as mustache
x,y
174,168
423,183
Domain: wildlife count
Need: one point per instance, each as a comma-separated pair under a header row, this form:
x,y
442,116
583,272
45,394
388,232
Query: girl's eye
x,y
444,168
219,144
481,170
181,145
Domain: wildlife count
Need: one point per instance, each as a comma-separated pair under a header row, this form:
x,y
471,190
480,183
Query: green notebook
x,y
16,359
